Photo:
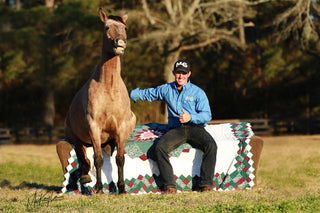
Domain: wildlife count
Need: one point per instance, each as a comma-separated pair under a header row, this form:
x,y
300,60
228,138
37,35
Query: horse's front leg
x,y
120,164
120,143
98,163
97,158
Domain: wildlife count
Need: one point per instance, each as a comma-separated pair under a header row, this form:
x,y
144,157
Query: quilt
x,y
234,162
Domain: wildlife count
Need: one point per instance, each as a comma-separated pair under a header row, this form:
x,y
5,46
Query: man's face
x,y
181,78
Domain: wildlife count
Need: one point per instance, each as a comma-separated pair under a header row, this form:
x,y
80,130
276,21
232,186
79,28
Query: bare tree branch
x,y
181,25
191,10
219,2
296,21
316,7
147,12
220,35
168,5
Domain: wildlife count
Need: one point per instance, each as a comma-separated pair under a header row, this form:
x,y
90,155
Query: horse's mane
x,y
117,18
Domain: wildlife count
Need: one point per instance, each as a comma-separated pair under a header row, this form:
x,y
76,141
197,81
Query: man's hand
x,y
184,117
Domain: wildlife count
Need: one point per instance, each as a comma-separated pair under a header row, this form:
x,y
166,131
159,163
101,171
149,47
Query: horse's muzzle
x,y
120,45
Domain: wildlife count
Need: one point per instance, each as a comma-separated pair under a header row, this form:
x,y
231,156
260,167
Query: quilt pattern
x,y
233,170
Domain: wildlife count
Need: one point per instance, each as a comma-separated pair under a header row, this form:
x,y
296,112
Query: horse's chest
x,y
108,99
111,125
108,106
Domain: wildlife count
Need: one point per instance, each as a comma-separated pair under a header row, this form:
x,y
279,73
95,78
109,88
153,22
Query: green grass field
x,y
288,181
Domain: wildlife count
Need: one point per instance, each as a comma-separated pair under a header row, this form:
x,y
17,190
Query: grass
x,y
288,181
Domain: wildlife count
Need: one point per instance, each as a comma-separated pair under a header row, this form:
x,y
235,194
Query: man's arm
x,y
150,94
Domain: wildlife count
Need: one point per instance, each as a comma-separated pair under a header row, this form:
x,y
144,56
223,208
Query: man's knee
x,y
212,146
161,149
158,149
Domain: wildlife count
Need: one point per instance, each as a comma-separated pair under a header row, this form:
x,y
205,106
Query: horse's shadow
x,y
28,185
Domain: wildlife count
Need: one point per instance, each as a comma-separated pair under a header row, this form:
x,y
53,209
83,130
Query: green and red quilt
x,y
233,167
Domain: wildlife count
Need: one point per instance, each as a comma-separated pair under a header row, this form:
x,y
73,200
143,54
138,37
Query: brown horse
x,y
100,114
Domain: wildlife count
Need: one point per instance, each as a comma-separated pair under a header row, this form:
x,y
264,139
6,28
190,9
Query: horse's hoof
x,y
85,179
99,189
123,193
122,190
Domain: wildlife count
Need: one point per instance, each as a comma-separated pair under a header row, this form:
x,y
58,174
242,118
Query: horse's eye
x,y
106,28
126,29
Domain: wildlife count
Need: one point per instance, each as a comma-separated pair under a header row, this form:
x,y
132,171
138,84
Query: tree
x,y
298,21
50,52
178,26
295,33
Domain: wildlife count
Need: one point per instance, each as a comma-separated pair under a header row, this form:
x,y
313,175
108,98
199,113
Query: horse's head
x,y
115,34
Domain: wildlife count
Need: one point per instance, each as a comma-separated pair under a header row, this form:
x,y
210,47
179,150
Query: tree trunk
x,y
171,58
49,3
168,67
50,111
241,25
18,4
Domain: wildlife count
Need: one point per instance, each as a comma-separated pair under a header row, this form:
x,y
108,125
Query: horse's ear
x,y
103,16
124,17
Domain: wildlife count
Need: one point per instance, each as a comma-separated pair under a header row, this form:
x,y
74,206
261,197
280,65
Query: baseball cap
x,y
181,65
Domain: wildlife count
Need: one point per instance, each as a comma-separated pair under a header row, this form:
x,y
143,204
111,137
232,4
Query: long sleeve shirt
x,y
192,99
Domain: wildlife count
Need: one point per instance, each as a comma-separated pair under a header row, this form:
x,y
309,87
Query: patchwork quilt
x,y
233,166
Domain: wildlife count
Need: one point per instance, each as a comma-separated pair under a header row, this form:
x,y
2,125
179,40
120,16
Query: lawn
x,y
288,181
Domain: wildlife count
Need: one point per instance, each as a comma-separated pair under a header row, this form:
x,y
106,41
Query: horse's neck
x,y
108,69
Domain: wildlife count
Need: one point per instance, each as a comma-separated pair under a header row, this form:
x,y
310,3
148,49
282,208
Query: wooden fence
x,y
35,135
261,127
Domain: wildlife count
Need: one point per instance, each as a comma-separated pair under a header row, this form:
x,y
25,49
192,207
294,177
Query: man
x,y
188,113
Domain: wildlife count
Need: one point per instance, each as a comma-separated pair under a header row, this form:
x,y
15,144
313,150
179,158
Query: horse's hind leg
x,y
85,163
63,149
109,147
81,152
256,144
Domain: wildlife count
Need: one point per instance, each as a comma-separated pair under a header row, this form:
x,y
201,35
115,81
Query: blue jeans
x,y
197,137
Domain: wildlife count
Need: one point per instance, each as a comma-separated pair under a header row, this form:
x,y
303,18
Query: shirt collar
x,y
186,86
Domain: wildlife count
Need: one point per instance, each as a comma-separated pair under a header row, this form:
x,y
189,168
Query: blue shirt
x,y
192,99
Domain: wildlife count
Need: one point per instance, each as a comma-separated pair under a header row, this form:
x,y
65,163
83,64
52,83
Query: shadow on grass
x,y
27,185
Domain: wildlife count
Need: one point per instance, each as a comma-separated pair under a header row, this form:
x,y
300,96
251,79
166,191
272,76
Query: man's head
x,y
181,72
181,66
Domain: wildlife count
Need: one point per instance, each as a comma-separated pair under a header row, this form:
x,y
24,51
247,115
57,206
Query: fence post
x,y
275,127
17,136
312,124
49,129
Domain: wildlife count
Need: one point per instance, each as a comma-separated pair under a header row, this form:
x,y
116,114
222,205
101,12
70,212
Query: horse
x,y
100,113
